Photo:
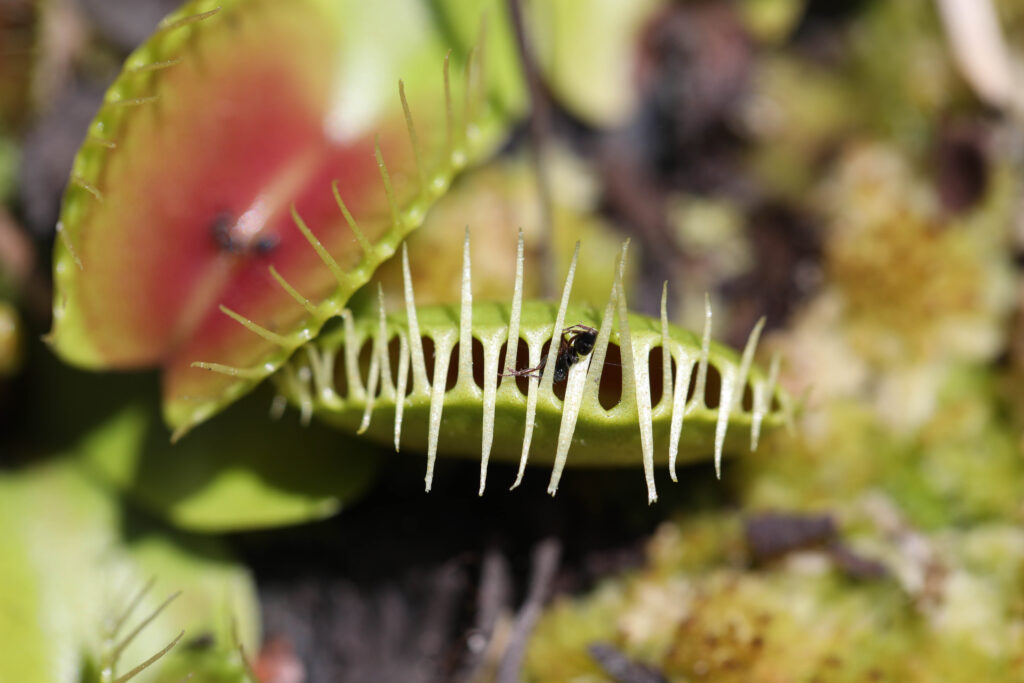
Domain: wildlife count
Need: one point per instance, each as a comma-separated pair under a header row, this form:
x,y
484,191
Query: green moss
x,y
799,619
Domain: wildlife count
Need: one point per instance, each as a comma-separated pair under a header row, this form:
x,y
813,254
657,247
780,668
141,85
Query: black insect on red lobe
x,y
231,238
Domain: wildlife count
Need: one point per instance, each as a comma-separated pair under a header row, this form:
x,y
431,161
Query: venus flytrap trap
x,y
250,156
614,414
114,642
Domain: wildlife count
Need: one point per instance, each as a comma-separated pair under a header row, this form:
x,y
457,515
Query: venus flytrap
x,y
458,400
254,163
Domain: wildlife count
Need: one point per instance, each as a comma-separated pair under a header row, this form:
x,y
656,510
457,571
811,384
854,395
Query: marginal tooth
x,y
449,116
102,142
574,388
636,386
318,247
465,376
303,377
604,334
65,239
534,346
277,407
352,378
492,347
153,66
413,139
702,366
512,346
666,356
88,187
403,373
258,372
298,386
441,359
684,365
419,367
467,96
133,101
371,390
321,366
331,395
481,63
387,387
763,401
292,292
396,215
257,329
748,358
548,377
166,25
364,243
725,401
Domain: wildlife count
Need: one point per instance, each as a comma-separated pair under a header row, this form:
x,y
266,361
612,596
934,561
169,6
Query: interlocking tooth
x,y
65,239
277,407
154,66
352,377
102,142
604,333
684,369
117,649
492,347
465,376
512,346
574,387
467,99
255,328
371,390
441,359
548,376
81,182
511,354
133,101
403,373
387,389
748,357
666,356
637,382
258,372
702,366
166,25
726,397
413,139
322,365
318,247
763,401
481,63
292,292
364,243
298,386
535,345
396,214
419,367
449,116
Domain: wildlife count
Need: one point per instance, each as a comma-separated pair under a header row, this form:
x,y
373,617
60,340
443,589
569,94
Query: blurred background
x,y
850,169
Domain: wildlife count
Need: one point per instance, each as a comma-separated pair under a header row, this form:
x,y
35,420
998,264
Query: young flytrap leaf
x,y
229,474
255,161
692,402
73,604
586,50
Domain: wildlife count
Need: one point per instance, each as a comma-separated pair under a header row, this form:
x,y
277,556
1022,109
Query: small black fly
x,y
224,230
575,344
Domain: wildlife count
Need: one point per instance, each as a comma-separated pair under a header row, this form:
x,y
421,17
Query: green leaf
x,y
243,471
72,562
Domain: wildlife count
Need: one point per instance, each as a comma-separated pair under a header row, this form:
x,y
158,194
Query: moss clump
x,y
705,614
